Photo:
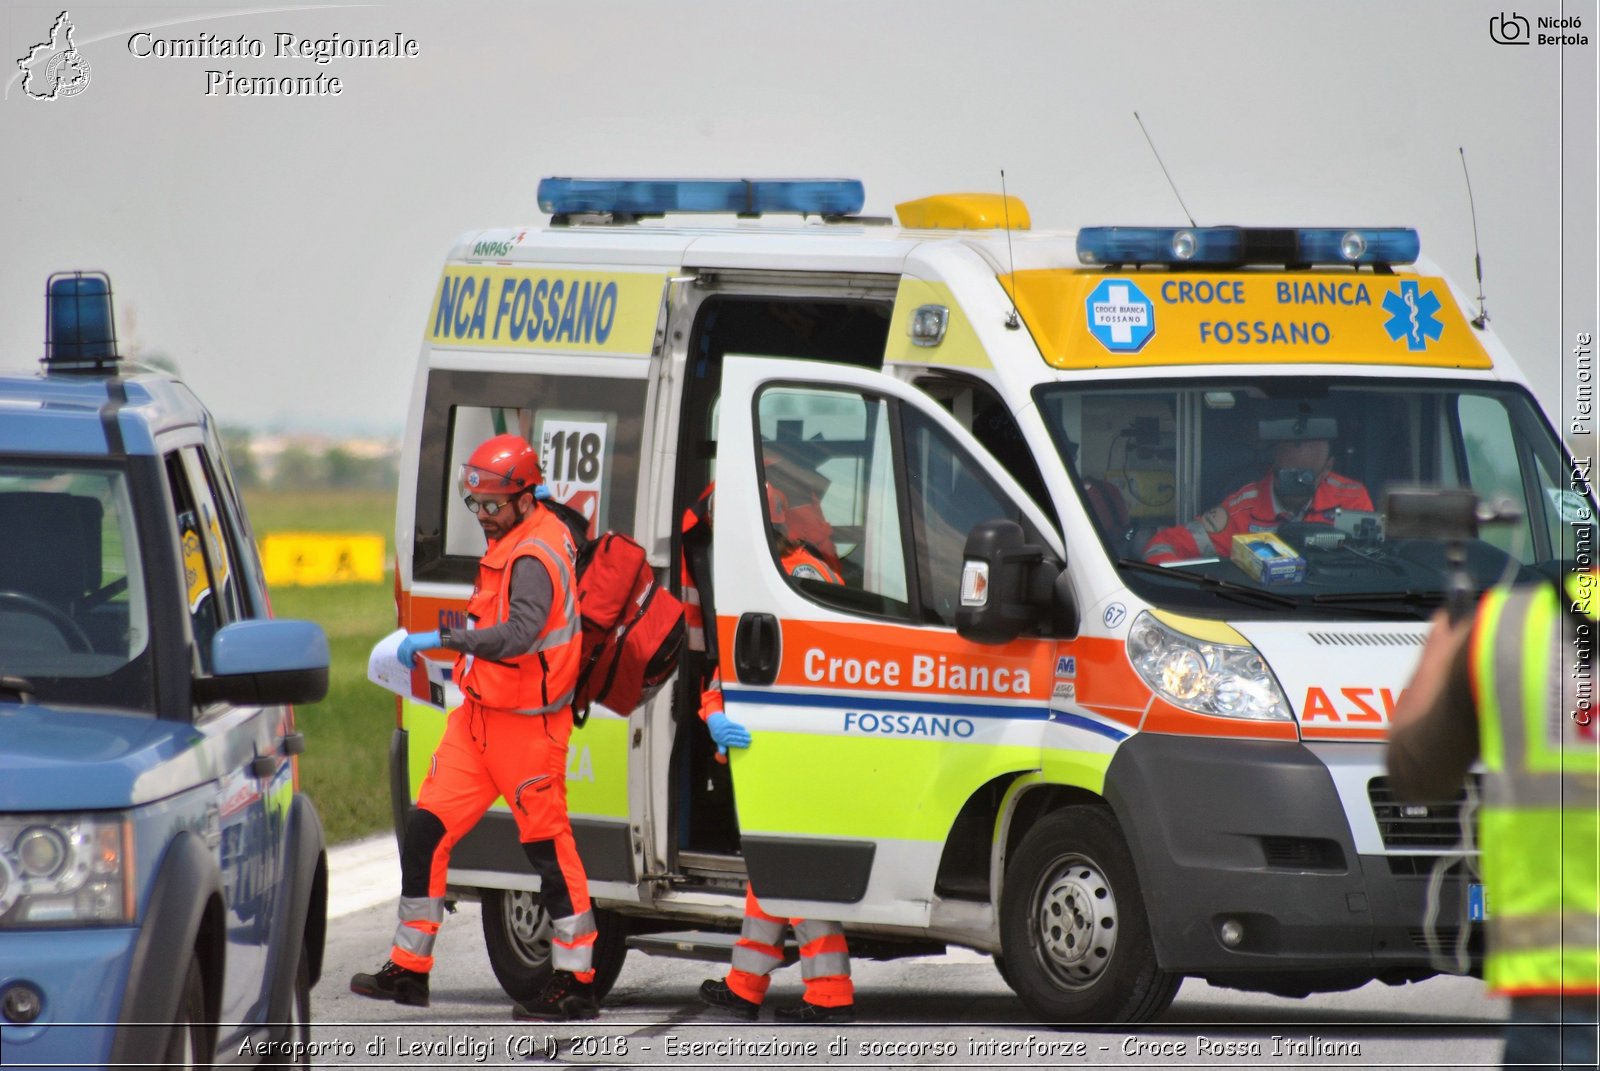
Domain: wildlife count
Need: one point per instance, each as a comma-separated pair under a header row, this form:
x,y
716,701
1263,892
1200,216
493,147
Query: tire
x,y
298,1027
1074,936
516,932
189,1045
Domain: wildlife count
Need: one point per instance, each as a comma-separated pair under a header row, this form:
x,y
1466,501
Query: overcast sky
x,y
283,251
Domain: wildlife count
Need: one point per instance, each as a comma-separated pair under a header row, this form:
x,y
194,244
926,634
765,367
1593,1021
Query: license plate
x,y
1477,903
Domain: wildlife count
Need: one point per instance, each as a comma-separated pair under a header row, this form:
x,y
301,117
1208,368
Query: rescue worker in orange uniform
x,y
1300,486
824,953
517,666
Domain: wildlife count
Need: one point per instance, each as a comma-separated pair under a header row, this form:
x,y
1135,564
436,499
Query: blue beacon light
x,y
631,198
1177,247
80,332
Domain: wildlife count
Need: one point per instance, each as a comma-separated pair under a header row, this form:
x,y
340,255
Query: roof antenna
x,y
1013,318
1164,170
1482,318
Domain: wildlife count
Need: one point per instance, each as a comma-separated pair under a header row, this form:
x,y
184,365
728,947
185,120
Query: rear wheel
x,y
516,932
1074,937
189,1044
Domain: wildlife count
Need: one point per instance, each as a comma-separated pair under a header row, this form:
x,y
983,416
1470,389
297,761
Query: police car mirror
x,y
266,662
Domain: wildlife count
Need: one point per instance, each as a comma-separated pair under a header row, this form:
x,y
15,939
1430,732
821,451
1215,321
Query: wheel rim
x,y
528,926
1075,922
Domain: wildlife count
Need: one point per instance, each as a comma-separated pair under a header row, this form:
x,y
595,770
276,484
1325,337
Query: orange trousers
x,y
824,956
486,754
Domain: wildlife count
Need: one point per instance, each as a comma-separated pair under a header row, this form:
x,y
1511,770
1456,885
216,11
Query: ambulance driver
x,y
1300,486
824,955
517,663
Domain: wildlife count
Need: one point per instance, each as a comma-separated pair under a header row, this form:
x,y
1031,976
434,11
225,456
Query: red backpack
x,y
633,628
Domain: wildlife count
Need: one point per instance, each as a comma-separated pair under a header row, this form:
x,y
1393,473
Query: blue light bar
x,y
744,197
1235,246
79,331
1359,245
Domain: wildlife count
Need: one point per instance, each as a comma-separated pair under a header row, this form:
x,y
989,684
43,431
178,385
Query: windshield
x,y
74,620
1183,479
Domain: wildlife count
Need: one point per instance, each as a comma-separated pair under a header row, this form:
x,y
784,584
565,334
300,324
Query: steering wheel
x,y
76,639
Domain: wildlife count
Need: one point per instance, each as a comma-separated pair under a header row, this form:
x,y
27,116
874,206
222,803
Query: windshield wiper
x,y
1222,587
20,688
1381,601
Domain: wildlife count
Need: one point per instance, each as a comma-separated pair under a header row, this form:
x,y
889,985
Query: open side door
x,y
843,502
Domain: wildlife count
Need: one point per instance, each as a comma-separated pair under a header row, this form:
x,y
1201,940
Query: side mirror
x,y
1009,586
254,663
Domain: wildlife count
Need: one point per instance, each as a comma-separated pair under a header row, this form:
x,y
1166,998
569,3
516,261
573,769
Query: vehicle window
x,y
950,495
217,537
74,613
588,431
829,454
1203,465
199,580
978,408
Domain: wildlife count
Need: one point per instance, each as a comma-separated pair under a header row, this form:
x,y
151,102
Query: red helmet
x,y
504,465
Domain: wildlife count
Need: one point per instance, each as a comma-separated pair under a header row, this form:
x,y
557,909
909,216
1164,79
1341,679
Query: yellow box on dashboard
x,y
1267,558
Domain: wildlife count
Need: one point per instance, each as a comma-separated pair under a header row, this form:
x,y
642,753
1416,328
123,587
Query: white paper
x,y
386,671
384,668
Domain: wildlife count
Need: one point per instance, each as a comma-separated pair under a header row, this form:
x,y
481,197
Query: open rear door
x,y
873,722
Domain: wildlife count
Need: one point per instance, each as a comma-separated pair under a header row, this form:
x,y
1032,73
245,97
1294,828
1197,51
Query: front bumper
x,y
1256,834
80,975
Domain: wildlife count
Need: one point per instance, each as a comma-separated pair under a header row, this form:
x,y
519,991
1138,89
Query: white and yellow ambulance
x,y
1009,729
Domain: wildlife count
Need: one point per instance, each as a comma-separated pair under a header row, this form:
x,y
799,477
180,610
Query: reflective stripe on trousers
x,y
824,956
420,918
572,943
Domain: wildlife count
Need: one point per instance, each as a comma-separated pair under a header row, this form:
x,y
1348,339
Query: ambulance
x,y
1013,727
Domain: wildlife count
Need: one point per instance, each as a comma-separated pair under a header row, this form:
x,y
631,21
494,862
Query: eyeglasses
x,y
488,509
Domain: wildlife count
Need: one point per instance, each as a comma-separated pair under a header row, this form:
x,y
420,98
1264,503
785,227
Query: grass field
x,y
345,765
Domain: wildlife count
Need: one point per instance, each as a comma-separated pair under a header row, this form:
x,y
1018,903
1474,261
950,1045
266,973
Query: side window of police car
x,y
210,586
893,536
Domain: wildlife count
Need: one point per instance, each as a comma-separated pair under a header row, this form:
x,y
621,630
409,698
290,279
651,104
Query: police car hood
x,y
62,759
1342,679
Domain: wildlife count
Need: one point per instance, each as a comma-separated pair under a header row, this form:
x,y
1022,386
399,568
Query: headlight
x,y
65,869
1208,678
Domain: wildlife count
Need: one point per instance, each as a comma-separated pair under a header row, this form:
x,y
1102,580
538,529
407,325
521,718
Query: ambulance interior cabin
x,y
1159,454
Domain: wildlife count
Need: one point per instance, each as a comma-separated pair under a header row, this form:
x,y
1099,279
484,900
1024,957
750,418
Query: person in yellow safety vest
x,y
824,953
517,662
1526,667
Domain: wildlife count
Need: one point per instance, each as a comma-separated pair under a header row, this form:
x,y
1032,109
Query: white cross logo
x,y
1120,314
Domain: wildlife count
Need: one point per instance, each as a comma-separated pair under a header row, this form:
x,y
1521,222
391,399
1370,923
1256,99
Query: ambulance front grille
x,y
1413,826
1368,639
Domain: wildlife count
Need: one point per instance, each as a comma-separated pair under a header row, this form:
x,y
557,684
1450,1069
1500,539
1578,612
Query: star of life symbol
x,y
1411,316
54,68
1120,316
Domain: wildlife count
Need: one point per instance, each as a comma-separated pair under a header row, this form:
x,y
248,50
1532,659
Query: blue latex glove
x,y
727,732
417,641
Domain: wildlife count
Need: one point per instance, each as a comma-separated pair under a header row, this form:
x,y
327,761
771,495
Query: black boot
x,y
394,983
563,998
816,1013
718,994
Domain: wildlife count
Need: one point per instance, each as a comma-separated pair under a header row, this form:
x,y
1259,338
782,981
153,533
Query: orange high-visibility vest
x,y
542,679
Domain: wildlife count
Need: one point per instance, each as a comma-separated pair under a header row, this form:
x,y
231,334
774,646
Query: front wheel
x,y
297,1030
1074,936
516,932
189,1044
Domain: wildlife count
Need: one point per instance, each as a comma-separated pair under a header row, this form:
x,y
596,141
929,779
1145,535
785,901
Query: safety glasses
x,y
488,509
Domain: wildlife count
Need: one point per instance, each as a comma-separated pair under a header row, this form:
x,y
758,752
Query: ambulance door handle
x,y
755,649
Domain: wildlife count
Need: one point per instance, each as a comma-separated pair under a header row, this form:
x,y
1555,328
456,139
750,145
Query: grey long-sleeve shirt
x,y
531,596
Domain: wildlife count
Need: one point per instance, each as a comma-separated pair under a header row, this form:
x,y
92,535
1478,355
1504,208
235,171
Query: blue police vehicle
x,y
163,886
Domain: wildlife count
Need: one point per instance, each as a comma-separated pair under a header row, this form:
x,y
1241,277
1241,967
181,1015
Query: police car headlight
x,y
65,869
1208,678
